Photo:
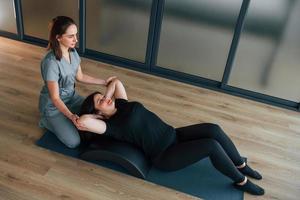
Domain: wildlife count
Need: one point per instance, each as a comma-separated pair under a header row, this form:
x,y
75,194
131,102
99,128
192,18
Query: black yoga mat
x,y
200,179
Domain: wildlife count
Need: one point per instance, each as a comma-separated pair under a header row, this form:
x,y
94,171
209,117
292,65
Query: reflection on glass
x,y
118,27
267,59
38,14
7,16
196,36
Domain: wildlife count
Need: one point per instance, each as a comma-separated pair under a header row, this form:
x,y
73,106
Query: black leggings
x,y
198,141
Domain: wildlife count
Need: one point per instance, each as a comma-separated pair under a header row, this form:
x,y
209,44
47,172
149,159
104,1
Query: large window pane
x,y
118,27
7,16
268,58
196,36
38,14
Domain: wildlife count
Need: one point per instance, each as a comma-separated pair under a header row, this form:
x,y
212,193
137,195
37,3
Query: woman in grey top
x,y
59,103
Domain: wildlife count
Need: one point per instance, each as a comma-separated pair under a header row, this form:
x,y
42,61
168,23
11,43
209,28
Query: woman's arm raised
x,y
115,89
84,78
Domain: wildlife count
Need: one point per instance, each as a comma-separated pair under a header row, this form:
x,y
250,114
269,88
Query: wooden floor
x,y
268,136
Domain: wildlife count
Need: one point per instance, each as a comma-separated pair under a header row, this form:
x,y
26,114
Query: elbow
x,y
115,81
82,120
79,78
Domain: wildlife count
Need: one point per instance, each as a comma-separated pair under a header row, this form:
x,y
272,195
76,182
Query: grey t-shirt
x,y
64,73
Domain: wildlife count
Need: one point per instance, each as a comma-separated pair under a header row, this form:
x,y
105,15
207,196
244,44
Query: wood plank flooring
x,y
267,135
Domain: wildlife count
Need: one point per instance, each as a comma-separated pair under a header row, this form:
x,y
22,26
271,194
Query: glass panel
x,y
196,36
118,27
268,58
7,16
38,14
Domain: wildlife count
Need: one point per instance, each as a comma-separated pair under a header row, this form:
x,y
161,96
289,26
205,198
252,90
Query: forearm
x,y
61,106
110,90
91,80
115,89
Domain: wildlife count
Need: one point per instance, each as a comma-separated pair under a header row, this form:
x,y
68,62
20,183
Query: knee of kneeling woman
x,y
73,143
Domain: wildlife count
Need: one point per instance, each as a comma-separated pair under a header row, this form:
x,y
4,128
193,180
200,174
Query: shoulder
x,y
137,104
120,102
75,53
49,56
49,59
76,58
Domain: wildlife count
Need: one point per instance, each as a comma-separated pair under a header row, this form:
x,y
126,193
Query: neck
x,y
64,50
111,113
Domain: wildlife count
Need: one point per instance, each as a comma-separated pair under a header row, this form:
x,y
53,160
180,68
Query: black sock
x,y
250,172
250,188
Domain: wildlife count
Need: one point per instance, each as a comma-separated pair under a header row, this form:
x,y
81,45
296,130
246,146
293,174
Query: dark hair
x,y
88,106
58,26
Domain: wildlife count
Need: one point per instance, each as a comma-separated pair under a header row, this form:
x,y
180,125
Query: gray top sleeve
x,y
50,70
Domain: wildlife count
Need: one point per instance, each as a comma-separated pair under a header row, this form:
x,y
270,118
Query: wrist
x,y
107,96
70,116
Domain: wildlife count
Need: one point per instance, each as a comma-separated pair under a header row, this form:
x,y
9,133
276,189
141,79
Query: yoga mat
x,y
200,179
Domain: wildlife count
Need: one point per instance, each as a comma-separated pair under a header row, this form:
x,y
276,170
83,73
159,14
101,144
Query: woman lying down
x,y
167,147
